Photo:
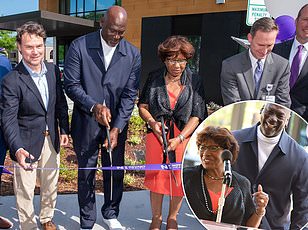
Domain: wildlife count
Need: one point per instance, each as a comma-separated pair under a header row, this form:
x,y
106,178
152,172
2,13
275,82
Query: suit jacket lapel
x,y
49,76
251,137
267,74
118,53
286,49
95,47
248,74
303,73
27,79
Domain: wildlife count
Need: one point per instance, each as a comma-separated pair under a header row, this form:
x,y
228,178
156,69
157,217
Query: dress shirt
x,y
108,51
254,63
40,81
294,51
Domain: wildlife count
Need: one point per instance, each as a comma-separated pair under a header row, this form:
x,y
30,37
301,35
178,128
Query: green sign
x,y
256,9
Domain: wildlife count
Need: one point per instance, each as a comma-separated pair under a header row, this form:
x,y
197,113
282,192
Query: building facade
x,y
209,24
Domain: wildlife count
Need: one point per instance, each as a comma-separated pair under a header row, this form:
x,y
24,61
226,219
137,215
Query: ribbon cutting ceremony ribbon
x,y
5,170
147,167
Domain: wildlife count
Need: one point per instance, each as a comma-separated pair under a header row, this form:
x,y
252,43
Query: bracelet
x,y
181,136
262,214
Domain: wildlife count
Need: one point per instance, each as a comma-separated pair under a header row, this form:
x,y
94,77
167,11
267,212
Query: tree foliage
x,y
7,40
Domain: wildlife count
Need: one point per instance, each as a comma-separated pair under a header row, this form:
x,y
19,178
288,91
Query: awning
x,y
58,25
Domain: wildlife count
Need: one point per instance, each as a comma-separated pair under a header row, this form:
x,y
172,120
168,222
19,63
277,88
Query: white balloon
x,y
277,8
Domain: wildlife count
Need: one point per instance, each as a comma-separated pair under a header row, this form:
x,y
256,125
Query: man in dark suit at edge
x,y
288,50
101,73
5,67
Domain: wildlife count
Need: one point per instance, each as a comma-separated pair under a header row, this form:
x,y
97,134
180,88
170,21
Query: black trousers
x,y
86,180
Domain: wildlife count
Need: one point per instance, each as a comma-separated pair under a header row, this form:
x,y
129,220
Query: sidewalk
x,y
135,212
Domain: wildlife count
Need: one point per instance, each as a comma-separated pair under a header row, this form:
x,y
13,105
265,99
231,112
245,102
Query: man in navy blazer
x,y
101,76
34,113
288,49
270,157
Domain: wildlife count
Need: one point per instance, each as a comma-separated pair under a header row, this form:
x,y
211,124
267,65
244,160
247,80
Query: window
x,y
72,7
89,9
80,6
90,5
194,62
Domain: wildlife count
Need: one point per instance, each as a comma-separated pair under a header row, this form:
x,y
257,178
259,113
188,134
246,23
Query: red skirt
x,y
162,181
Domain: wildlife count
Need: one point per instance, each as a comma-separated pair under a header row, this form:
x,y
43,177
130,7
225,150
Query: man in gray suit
x,y
289,49
257,73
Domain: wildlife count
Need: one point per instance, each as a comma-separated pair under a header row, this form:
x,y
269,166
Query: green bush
x,y
136,127
66,173
129,179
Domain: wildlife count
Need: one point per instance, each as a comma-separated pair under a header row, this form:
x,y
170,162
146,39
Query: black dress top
x,y
191,102
238,205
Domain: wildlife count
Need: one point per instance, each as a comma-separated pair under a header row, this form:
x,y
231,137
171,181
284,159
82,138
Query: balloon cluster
x,y
287,28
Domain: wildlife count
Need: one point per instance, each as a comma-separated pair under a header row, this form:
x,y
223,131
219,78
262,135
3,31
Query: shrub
x,y
136,128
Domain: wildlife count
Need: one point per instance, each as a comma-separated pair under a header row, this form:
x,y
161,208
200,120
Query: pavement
x,y
135,212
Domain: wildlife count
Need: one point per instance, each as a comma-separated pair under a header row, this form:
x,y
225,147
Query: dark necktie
x,y
257,76
295,66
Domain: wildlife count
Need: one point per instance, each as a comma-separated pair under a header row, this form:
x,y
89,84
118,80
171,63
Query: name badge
x,y
270,98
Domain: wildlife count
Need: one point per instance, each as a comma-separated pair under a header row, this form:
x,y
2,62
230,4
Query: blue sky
x,y
9,7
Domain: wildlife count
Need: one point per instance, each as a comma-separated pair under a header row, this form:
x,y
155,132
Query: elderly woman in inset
x,y
174,93
203,183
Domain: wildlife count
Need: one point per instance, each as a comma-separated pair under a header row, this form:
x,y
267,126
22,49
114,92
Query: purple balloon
x,y
287,28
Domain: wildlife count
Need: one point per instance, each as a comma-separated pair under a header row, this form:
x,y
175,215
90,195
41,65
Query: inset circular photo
x,y
246,165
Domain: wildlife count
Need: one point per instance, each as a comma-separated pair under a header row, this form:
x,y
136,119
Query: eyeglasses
x,y
175,61
211,148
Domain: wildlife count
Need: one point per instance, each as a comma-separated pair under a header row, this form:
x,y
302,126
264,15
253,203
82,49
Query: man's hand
x,y
21,156
114,133
64,139
102,114
261,200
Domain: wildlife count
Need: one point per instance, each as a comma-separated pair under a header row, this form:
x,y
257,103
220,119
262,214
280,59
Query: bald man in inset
x,y
102,72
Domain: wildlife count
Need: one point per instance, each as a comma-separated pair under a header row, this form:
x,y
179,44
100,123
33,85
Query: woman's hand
x,y
156,128
261,200
173,143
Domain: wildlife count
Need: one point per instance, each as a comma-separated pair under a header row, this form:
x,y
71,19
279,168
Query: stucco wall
x,y
49,5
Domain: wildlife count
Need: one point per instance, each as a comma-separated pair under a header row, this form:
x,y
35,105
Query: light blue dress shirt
x,y
40,81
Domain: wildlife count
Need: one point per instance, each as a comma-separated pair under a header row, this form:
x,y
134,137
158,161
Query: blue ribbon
x,y
5,170
146,167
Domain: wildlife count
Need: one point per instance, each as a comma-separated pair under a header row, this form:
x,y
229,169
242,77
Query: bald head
x,y
114,25
116,13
